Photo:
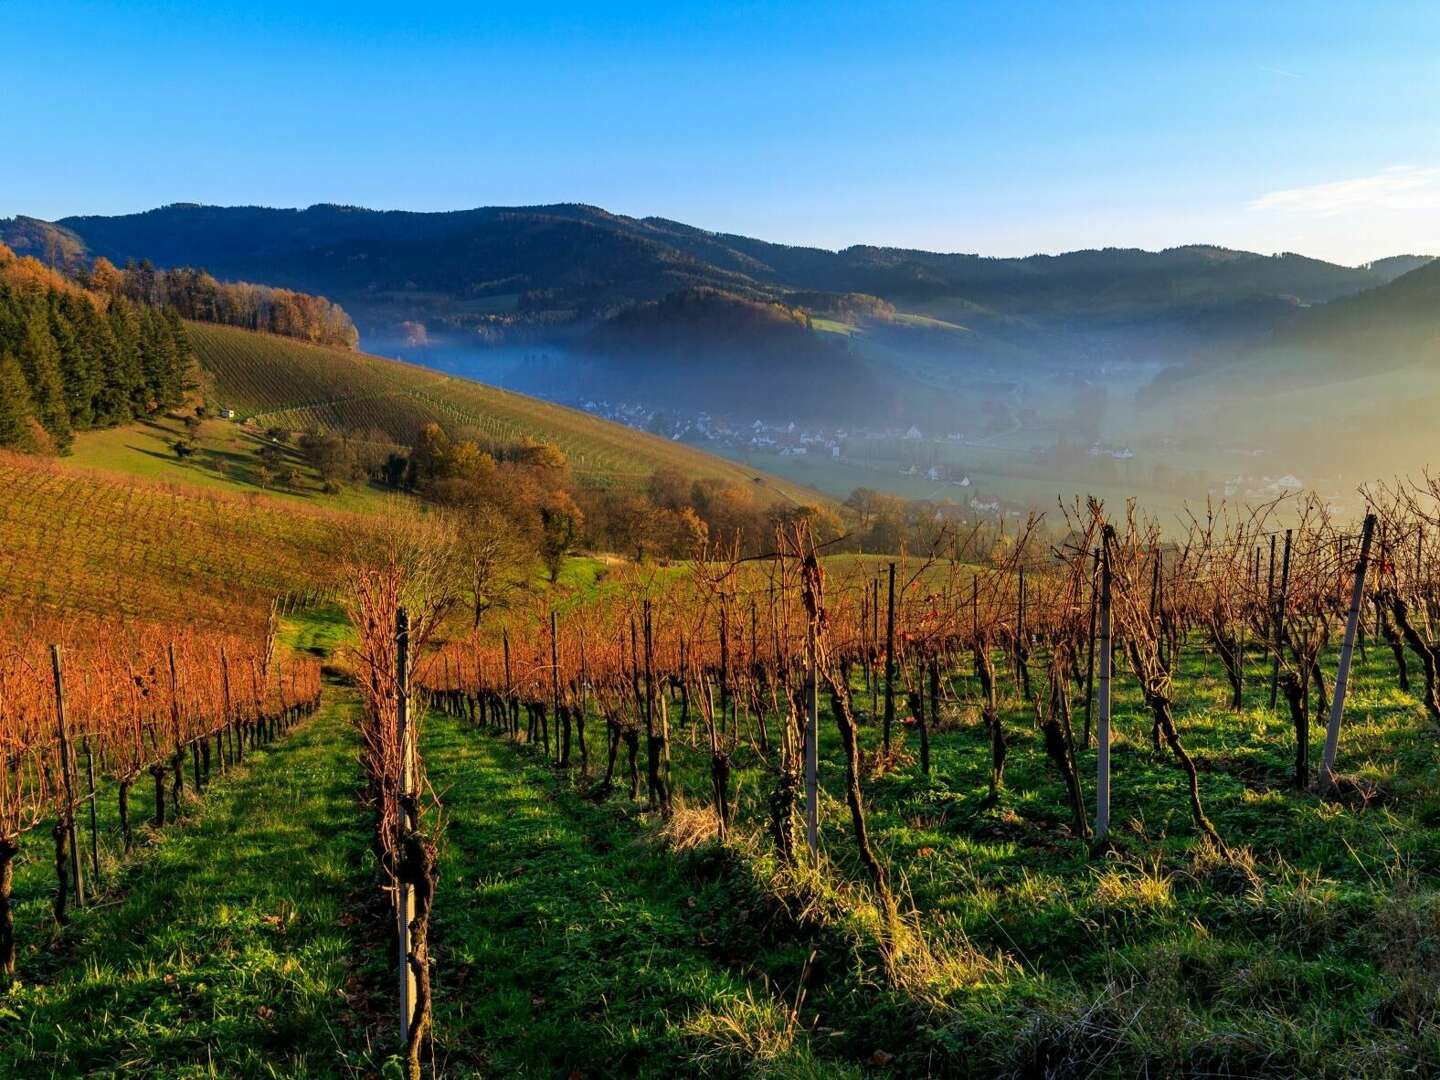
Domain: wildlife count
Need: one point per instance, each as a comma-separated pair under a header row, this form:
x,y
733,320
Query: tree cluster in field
x,y
528,485
846,307
197,295
72,358
550,514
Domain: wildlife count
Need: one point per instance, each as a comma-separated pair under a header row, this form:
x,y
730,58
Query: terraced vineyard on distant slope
x,y
81,540
279,381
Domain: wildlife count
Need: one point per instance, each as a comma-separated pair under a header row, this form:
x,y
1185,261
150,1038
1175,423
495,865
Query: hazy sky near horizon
x,y
1004,128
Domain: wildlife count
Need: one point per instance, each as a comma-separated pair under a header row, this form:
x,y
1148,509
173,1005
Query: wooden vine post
x,y
1347,650
177,759
657,736
404,891
1102,757
229,709
583,693
562,754
511,705
1270,592
874,643
65,827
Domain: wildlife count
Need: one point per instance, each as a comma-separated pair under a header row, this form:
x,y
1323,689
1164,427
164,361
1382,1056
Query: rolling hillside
x,y
281,382
89,540
1346,389
608,292
127,526
583,258
549,273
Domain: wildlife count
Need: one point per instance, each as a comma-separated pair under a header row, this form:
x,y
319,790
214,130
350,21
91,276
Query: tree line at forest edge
x,y
108,345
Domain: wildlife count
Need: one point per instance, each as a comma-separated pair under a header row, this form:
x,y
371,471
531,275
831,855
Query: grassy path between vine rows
x,y
567,944
224,947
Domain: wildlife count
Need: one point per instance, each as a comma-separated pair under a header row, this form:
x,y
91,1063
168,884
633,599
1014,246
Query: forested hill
x,y
1396,324
73,358
101,346
714,348
550,263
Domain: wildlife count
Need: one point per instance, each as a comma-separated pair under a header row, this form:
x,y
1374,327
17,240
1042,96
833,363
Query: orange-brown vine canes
x,y
1150,656
116,714
812,592
390,633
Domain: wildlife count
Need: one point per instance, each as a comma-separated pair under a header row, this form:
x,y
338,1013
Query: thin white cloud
x,y
1280,71
1401,187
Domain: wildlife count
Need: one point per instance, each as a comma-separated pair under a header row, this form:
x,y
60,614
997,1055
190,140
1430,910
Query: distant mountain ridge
x,y
585,262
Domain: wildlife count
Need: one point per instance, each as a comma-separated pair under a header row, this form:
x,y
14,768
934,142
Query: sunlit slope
x,y
1347,392
78,539
278,381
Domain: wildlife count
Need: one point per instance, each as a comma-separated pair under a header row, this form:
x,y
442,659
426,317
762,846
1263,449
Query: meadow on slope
x,y
280,382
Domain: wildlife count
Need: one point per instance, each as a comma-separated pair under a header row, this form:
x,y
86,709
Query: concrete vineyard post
x,y
890,660
1342,676
1090,652
812,738
1102,757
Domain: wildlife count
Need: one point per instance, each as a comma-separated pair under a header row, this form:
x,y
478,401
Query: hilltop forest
x,y
106,345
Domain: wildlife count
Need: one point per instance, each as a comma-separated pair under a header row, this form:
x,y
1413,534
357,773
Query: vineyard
x,y
1116,805
89,541
104,704
964,604
277,381
1078,798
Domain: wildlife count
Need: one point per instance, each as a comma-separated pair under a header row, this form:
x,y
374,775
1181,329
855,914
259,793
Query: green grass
x,y
226,459
225,946
926,321
570,937
1314,950
322,630
566,944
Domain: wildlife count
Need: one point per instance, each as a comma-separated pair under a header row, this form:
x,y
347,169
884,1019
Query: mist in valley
x,y
1175,415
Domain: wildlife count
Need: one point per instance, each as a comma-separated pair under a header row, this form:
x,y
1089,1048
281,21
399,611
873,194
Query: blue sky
x,y
1000,128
